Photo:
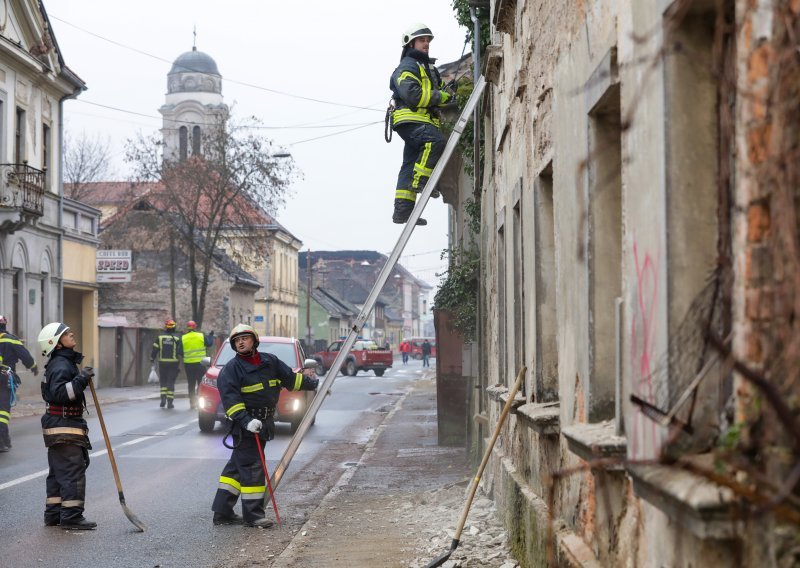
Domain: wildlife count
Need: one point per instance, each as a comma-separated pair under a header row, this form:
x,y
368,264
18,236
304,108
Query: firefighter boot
x,y
260,523
170,403
163,401
232,519
402,211
80,524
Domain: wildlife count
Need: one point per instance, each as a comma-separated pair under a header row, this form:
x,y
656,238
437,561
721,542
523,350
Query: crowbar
x,y
266,474
475,480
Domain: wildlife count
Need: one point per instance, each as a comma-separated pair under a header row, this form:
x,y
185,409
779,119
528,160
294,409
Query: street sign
x,y
113,262
105,277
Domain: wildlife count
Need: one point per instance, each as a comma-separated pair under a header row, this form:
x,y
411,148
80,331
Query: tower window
x,y
183,142
196,140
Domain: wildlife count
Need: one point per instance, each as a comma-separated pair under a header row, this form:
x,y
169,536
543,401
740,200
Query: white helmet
x,y
243,329
414,31
49,336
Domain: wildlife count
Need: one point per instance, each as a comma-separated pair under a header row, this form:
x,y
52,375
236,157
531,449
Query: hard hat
x,y
169,324
3,320
191,324
242,329
49,336
414,31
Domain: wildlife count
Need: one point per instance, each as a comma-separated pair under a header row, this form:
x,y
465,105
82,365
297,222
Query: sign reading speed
x,y
113,261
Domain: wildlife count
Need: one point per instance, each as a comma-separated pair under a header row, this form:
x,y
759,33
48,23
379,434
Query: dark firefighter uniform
x,y
250,391
418,92
167,350
66,436
11,351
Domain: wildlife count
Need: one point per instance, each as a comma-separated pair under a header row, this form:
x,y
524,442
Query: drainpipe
x,y
60,252
476,74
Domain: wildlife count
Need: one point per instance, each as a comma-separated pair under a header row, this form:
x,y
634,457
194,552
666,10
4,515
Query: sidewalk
x,y
33,405
399,505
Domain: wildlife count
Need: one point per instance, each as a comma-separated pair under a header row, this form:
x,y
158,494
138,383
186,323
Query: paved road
x,y
169,471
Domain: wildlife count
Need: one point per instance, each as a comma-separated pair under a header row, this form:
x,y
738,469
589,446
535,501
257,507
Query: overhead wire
x,y
229,80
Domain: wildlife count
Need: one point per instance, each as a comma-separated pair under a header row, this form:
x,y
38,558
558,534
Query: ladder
x,y
324,389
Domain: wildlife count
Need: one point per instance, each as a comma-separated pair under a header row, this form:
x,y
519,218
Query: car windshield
x,y
283,351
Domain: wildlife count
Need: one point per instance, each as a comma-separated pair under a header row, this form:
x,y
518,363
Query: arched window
x,y
196,137
183,142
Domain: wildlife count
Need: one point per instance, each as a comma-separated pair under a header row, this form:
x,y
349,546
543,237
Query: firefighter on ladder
x,y
11,351
168,350
418,93
249,386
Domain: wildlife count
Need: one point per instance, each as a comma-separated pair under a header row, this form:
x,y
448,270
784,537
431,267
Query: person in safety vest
x,y
66,434
11,351
168,349
419,93
249,385
194,349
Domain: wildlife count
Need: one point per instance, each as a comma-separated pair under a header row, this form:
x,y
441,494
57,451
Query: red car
x,y
292,405
416,346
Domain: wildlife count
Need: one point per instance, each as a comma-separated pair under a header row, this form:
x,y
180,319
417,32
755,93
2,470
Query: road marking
x,y
44,472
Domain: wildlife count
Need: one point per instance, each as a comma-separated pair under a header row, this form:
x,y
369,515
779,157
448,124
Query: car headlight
x,y
295,405
202,403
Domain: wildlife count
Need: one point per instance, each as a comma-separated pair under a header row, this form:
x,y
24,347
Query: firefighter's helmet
x,y
191,324
50,335
243,329
169,324
414,31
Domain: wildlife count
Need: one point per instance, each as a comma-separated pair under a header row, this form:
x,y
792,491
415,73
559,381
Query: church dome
x,y
193,72
194,62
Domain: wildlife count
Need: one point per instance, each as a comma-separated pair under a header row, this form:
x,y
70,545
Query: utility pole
x,y
308,298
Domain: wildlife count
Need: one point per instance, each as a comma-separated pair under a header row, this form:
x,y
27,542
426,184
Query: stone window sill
x,y
596,441
703,507
542,417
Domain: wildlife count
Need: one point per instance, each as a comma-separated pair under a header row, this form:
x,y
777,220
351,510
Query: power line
x,y
237,82
333,133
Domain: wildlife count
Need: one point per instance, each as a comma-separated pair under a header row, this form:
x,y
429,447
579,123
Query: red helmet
x,y
191,324
169,324
3,320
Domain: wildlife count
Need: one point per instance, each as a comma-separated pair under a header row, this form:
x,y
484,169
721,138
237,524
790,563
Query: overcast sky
x,y
342,51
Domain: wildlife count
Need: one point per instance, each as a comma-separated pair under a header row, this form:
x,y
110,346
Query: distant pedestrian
x,y
405,348
65,431
426,353
168,350
194,349
11,351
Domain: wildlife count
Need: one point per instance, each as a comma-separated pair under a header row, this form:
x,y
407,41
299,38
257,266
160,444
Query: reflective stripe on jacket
x,y
167,348
417,87
243,385
194,346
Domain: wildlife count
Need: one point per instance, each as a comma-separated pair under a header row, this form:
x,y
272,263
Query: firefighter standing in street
x,y
249,386
66,434
11,351
168,350
419,93
194,349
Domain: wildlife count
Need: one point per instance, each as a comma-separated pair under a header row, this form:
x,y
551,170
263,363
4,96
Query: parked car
x,y
292,405
416,346
365,355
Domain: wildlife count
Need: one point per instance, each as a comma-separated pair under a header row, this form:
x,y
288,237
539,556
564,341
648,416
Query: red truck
x,y
364,356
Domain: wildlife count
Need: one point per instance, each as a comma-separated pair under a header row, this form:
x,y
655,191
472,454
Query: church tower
x,y
193,104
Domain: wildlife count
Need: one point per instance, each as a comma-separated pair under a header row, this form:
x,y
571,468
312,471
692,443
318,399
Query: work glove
x,y
444,97
88,372
254,426
312,383
35,370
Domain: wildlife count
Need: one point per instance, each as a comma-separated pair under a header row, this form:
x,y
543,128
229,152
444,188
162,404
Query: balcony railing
x,y
22,187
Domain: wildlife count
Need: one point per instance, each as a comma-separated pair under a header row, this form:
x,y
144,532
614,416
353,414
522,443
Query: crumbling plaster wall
x,y
537,114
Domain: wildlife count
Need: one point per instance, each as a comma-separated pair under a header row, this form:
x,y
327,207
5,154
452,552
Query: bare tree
x,y
217,199
86,160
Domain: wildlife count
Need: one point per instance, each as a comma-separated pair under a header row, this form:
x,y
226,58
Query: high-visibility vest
x,y
194,346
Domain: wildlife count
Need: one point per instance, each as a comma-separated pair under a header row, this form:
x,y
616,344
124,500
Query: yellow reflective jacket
x,y
418,90
194,346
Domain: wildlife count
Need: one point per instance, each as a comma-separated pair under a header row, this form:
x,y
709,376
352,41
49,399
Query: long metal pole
x,y
308,298
383,276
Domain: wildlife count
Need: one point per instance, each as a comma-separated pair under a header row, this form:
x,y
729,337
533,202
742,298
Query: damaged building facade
x,y
639,255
